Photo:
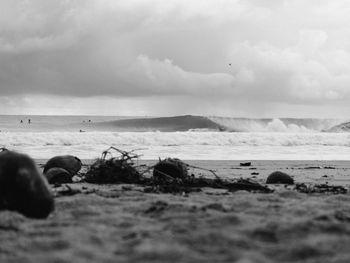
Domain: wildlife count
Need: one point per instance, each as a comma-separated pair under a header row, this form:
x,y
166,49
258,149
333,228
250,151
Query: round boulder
x,y
22,187
58,175
279,178
70,163
170,168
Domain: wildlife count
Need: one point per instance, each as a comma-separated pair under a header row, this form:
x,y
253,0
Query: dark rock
x,y
22,187
245,164
70,163
313,167
169,169
279,178
58,176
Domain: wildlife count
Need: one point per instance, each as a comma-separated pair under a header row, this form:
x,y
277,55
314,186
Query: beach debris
x,y
171,176
246,185
279,178
193,184
22,187
70,163
320,188
58,175
120,169
246,164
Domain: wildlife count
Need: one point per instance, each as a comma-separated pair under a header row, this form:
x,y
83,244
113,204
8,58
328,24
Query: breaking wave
x,y
166,124
276,125
190,145
195,123
174,138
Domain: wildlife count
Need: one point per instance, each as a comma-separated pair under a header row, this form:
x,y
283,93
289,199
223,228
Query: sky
x,y
239,58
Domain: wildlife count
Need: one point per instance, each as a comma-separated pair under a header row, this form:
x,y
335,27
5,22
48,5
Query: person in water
x,y
29,121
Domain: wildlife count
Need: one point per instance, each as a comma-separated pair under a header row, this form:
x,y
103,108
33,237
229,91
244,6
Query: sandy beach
x,y
122,223
174,131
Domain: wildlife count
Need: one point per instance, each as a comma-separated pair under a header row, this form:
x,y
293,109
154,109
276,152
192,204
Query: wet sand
x,y
121,223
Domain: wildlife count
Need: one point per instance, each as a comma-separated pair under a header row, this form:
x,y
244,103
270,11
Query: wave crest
x,y
276,125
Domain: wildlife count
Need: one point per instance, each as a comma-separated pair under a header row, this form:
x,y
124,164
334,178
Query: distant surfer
x,y
81,131
29,121
21,121
89,120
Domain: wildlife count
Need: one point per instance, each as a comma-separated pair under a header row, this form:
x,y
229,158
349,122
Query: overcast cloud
x,y
156,57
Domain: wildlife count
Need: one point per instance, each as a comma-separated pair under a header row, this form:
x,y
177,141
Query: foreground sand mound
x,y
123,224
22,187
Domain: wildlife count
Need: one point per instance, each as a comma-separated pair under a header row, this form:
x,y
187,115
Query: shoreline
x,y
303,171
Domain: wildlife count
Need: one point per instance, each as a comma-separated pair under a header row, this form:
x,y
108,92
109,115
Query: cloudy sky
x,y
156,57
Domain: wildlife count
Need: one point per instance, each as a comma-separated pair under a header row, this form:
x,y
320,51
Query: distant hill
x,y
164,124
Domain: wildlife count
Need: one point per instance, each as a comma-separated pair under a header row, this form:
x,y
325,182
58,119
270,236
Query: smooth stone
x,y
58,175
22,187
279,178
70,163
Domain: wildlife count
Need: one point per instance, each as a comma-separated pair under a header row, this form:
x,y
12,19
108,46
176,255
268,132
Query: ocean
x,y
185,137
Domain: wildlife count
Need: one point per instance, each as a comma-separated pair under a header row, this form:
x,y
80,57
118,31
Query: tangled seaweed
x,y
119,169
171,176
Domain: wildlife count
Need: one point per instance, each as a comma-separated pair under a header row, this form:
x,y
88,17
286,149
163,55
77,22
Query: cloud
x,y
281,52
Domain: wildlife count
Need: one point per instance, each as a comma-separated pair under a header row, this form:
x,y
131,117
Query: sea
x,y
185,137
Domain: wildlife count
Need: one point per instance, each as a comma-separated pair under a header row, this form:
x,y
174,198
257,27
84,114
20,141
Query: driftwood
x,y
193,184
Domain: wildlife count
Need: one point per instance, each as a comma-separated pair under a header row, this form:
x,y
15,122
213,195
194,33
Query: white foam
x,y
276,125
185,145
